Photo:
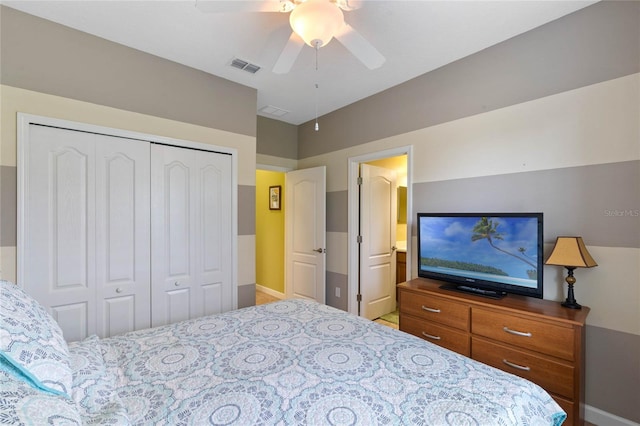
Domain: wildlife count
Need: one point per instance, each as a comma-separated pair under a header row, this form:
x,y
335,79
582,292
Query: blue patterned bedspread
x,y
300,362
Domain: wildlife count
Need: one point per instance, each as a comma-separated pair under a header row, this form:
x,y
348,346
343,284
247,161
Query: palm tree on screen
x,y
487,229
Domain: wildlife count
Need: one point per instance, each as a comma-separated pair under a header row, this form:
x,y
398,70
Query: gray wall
x,y
594,44
559,193
277,138
49,58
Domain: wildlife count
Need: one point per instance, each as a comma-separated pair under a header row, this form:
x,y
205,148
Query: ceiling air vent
x,y
272,110
245,66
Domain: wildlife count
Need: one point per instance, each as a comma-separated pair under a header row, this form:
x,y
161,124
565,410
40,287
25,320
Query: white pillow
x,y
32,342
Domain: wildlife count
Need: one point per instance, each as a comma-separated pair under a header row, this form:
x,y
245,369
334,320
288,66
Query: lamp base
x,y
571,305
571,300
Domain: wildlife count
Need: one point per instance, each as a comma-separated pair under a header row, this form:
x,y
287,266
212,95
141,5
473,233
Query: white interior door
x,y
378,211
86,229
305,233
191,234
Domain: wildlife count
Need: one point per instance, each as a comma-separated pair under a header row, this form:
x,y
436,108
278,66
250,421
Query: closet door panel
x,y
123,236
178,219
69,202
215,232
178,306
173,235
60,233
212,299
72,319
119,315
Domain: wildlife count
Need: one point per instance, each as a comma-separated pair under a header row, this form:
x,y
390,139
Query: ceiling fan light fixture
x,y
316,21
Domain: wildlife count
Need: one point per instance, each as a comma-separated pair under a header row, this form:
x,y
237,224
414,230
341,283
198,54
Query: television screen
x,y
490,254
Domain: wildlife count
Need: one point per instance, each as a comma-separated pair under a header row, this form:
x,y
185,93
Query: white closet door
x,y
122,235
87,230
60,227
214,232
191,234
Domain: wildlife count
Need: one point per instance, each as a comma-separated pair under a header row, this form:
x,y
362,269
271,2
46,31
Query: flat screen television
x,y
489,254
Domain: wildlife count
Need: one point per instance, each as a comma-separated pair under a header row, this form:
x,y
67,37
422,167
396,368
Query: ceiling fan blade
x,y
289,54
234,6
360,47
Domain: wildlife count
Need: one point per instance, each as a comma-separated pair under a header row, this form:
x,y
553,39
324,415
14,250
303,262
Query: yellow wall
x,y
269,233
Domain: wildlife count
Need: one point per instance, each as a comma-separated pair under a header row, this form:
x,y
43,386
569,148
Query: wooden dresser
x,y
532,338
401,266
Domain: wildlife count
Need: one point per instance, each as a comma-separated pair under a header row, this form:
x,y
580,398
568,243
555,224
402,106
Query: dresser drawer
x,y
555,377
550,339
435,309
452,339
568,408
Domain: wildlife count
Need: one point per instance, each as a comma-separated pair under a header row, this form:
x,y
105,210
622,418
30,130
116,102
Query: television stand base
x,y
492,294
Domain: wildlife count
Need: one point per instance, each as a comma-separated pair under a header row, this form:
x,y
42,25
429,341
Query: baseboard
x,y
270,291
602,418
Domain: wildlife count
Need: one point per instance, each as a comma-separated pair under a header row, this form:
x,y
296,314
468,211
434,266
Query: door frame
x,y
25,120
354,216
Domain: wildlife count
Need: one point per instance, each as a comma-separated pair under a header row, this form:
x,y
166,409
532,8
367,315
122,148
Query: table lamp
x,y
571,253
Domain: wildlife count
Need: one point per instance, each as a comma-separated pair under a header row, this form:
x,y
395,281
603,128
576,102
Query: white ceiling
x,y
415,37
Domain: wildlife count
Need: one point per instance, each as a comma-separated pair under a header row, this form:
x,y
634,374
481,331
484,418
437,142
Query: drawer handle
x,y
431,336
519,367
435,311
517,333
118,290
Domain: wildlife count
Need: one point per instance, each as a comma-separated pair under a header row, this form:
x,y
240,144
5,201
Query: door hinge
x,y
359,239
359,297
359,180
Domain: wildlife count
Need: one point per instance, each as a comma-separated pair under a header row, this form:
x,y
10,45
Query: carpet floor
x,y
392,317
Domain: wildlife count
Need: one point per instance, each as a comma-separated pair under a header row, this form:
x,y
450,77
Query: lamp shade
x,y
316,21
571,252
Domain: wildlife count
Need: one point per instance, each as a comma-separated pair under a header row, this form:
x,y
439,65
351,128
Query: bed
x,y
288,362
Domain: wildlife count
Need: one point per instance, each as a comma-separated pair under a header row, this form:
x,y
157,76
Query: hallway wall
x,y
269,233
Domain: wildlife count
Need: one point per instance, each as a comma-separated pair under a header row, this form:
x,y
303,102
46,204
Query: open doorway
x,y
378,260
270,224
291,234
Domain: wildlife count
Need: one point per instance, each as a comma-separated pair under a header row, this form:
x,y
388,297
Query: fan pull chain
x,y
317,46
317,127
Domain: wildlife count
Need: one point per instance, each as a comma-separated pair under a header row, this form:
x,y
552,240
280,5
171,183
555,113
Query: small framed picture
x,y
274,197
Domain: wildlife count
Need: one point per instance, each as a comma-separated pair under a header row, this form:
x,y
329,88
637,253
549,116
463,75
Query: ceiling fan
x,y
313,22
